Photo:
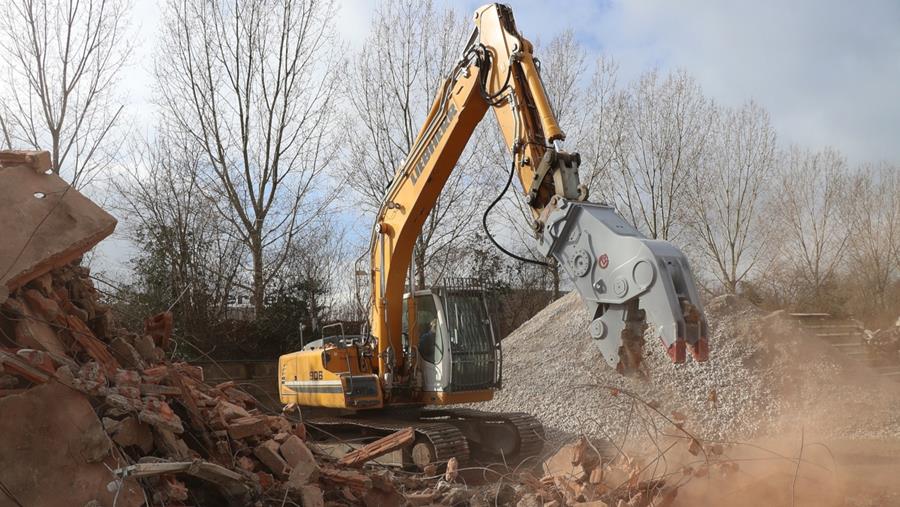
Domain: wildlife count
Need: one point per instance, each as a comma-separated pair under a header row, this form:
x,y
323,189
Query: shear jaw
x,y
628,283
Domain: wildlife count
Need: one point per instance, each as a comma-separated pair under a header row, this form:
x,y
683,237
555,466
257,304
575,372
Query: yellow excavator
x,y
429,348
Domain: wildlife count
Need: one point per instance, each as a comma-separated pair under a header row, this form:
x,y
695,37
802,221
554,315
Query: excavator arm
x,y
625,279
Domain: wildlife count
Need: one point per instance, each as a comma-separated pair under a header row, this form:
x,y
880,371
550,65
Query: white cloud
x,y
827,71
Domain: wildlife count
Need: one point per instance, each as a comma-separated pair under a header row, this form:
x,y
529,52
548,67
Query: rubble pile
x,y
96,415
762,376
147,418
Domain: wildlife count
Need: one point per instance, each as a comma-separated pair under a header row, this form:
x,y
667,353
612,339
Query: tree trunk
x,y
259,290
419,262
554,273
731,285
55,166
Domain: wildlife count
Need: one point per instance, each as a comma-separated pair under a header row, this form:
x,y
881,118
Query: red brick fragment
x,y
266,481
18,366
173,489
45,308
267,453
298,456
159,327
159,413
94,347
244,427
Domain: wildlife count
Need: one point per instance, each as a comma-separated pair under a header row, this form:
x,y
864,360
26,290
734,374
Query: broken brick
x,y
159,327
159,390
44,307
126,354
158,413
248,426
147,349
38,359
94,347
267,453
173,489
171,445
34,333
230,411
156,374
131,432
279,424
37,161
44,284
55,459
127,378
357,482
17,366
563,464
124,403
299,457
311,496
246,463
266,481
189,370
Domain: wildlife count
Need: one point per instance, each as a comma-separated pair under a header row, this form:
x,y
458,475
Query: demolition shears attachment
x,y
628,282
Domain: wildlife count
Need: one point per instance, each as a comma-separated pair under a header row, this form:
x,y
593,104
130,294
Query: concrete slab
x,y
46,224
54,451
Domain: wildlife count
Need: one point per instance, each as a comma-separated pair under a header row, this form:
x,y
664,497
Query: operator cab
x,y
456,346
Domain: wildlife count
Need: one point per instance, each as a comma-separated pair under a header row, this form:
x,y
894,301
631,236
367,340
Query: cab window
x,y
431,347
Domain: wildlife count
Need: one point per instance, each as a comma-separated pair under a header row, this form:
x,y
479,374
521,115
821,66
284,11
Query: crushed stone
x,y
763,377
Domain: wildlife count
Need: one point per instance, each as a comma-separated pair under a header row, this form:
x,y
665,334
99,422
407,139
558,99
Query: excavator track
x,y
443,440
465,434
527,431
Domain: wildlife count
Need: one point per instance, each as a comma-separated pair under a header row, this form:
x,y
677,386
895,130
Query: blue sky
x,y
828,71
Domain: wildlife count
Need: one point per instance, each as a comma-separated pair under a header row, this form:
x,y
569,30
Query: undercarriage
x,y
470,436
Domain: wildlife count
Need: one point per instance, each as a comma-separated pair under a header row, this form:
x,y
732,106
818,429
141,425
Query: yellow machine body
x,y
332,377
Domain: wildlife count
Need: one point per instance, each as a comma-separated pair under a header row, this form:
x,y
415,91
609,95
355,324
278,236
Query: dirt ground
x,y
857,473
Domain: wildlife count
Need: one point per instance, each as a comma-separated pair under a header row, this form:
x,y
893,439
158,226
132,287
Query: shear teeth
x,y
676,351
700,350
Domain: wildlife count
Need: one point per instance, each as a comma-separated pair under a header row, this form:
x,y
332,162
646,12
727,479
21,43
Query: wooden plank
x,y
378,448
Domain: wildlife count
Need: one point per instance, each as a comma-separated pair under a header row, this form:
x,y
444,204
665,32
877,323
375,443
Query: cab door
x,y
429,333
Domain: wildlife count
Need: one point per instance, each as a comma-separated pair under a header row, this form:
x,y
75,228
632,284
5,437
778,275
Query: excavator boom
x,y
625,279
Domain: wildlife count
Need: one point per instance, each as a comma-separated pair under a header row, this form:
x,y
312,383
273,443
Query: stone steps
x,y
845,337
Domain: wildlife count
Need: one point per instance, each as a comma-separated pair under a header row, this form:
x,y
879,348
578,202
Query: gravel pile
x,y
763,378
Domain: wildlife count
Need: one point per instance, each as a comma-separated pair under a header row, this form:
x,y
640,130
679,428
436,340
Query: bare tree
x,y
252,82
188,259
563,69
728,190
667,121
872,219
392,84
63,59
603,131
813,239
315,270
